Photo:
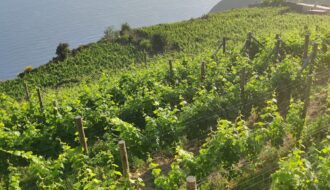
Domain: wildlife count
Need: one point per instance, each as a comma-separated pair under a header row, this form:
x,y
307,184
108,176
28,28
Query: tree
x,y
125,29
159,42
62,51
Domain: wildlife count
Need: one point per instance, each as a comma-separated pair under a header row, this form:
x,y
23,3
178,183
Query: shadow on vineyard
x,y
235,100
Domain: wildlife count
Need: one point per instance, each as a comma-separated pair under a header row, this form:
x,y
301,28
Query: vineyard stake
x,y
214,55
27,93
55,104
170,69
203,70
145,57
242,87
307,39
249,44
278,48
224,41
124,158
40,100
191,183
82,138
309,80
277,36
314,55
171,72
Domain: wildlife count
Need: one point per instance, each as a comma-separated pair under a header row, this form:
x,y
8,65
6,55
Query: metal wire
x,y
269,170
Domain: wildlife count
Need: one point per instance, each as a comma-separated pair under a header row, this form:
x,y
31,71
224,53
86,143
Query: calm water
x,y
30,30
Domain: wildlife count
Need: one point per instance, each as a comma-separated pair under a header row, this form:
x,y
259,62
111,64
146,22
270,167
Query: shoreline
x,y
32,39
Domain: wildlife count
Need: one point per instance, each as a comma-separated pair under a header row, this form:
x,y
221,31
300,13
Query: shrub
x,y
205,16
296,172
125,29
145,45
28,69
62,51
162,132
159,43
110,34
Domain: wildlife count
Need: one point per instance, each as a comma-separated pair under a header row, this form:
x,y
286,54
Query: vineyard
x,y
241,102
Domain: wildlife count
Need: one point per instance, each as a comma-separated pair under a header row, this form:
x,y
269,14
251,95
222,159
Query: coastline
x,y
31,35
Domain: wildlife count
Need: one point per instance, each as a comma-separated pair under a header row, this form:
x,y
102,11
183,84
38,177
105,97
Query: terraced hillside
x,y
88,62
253,114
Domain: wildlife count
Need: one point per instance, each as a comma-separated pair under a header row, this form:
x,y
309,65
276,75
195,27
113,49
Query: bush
x,y
298,172
145,45
110,34
62,51
28,69
125,29
159,43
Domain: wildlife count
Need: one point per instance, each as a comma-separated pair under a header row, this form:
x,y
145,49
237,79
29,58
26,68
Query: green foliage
x,y
62,51
298,172
294,120
145,44
162,130
169,182
110,34
88,65
125,29
159,42
230,126
274,2
286,83
189,37
130,134
28,69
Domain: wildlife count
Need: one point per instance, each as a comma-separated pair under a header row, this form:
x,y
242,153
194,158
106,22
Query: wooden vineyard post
x,y
40,100
124,158
82,138
314,55
145,57
55,104
203,70
242,88
309,80
277,36
27,93
191,183
224,41
307,39
249,44
278,48
171,72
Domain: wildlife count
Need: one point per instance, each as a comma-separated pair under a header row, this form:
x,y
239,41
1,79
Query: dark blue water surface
x,y
30,30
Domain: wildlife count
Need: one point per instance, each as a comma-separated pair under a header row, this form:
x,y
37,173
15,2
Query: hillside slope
x,y
189,36
230,4
245,118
